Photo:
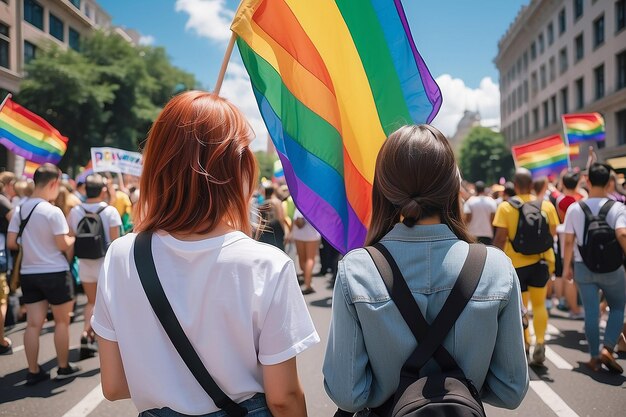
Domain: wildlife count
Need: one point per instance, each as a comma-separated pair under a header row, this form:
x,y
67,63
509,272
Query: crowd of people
x,y
206,276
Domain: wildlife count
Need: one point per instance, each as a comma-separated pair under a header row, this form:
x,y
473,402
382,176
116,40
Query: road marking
x,y
551,399
18,348
557,360
87,404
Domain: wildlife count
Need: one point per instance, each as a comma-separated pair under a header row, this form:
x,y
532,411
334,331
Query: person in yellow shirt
x,y
533,270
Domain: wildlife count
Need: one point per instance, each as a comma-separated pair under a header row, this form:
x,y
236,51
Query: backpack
x,y
446,392
90,238
533,235
601,251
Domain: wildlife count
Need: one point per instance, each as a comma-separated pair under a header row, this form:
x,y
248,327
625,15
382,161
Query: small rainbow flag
x,y
333,79
30,136
543,157
582,127
29,169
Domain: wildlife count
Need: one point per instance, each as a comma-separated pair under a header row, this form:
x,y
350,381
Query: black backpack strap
x,y
144,262
588,219
604,211
24,222
515,202
101,209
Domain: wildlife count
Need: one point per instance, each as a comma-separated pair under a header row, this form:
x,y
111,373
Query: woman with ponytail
x,y
417,217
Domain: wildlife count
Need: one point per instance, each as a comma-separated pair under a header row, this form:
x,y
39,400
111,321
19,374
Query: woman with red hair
x,y
237,301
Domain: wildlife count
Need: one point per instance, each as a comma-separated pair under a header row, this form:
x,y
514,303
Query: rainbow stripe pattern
x,y
28,135
583,127
29,169
543,157
333,79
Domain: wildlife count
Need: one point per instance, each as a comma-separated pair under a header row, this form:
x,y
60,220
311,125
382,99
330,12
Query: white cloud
x,y
147,40
208,18
457,97
237,89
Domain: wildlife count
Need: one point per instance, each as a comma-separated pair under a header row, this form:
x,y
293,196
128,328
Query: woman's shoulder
x,y
250,251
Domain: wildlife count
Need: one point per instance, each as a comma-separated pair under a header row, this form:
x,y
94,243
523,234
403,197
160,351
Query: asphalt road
x,y
563,388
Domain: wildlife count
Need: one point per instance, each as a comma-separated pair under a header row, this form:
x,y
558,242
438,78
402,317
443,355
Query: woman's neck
x,y
221,229
435,219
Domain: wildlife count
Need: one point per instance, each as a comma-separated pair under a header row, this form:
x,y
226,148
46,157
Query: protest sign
x,y
116,160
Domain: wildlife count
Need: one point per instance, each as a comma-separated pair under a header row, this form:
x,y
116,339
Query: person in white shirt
x,y
479,211
307,244
45,277
611,283
237,300
89,269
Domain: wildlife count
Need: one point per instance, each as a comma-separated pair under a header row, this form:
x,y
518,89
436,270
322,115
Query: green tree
x,y
266,164
485,156
106,95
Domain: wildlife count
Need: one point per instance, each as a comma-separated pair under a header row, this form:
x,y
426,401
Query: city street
x,y
563,388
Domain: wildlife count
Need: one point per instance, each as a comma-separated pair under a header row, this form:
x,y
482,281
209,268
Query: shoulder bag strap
x,y
402,297
24,222
604,211
588,219
144,262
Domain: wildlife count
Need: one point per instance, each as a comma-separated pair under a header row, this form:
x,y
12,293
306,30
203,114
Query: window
x,y
562,22
580,93
533,51
580,47
76,3
564,101
620,60
620,15
33,13
542,76
30,51
525,91
546,114
514,100
526,125
598,31
520,97
563,60
4,46
525,61
550,34
578,9
536,119
598,73
534,85
57,28
74,39
542,44
620,118
552,68
553,108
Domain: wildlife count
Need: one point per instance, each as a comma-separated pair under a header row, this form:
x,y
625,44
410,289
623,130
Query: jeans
x,y
613,287
256,406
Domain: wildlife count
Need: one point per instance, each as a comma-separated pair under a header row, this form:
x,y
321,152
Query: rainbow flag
x,y
574,151
583,127
543,157
30,136
29,169
332,80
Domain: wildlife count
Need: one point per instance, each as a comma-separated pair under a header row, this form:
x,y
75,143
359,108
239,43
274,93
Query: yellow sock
x,y
540,313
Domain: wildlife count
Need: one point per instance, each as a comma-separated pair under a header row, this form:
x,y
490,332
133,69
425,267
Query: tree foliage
x,y
266,164
485,156
106,95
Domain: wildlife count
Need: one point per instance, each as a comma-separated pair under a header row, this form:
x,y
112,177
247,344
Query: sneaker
x,y
6,349
308,291
609,361
539,354
577,316
86,348
32,379
69,371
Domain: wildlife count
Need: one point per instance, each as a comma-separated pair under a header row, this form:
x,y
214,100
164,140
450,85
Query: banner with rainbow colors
x,y
583,127
544,157
332,80
28,135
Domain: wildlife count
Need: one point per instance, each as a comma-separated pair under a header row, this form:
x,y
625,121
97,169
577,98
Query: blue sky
x,y
457,38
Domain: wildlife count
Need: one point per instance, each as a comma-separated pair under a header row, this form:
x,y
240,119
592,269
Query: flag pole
x,y
9,95
569,158
227,55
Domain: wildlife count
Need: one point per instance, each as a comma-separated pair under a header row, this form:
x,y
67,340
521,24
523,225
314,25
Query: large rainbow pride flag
x,y
543,157
26,134
333,79
582,127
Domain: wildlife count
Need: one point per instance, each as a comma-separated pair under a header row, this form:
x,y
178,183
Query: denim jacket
x,y
369,341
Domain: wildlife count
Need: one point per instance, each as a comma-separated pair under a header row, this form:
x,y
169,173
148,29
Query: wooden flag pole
x,y
5,100
227,55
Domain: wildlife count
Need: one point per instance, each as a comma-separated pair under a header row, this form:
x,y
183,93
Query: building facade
x,y
469,120
564,56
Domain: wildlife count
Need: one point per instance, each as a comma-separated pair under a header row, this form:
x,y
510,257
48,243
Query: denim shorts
x,y
256,406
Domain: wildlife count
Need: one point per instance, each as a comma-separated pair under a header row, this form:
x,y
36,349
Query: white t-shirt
x,y
41,253
575,220
237,300
89,269
307,233
481,208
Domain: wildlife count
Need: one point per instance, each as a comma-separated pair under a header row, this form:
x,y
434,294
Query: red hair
x,y
197,167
